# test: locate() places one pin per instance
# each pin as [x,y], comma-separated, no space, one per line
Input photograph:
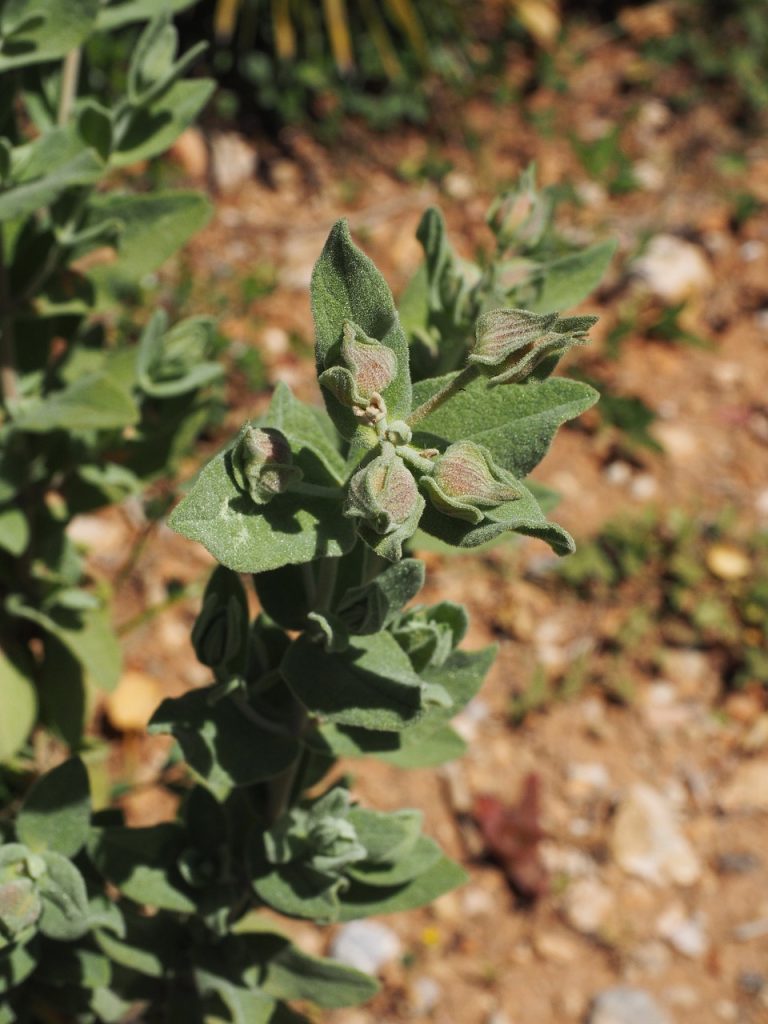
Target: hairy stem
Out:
[458,384]
[316,490]
[69,75]
[8,378]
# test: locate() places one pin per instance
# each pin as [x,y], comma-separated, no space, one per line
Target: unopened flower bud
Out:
[466,480]
[366,368]
[384,496]
[515,341]
[521,214]
[263,463]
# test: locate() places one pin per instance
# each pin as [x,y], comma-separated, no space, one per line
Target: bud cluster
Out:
[384,496]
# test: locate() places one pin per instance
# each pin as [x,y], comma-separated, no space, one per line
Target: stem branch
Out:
[458,384]
[8,378]
[69,75]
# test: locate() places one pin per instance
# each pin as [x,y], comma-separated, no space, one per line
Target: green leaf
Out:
[246,1005]
[371,684]
[347,286]
[291,974]
[154,127]
[361,900]
[14,531]
[56,812]
[16,965]
[291,529]
[116,13]
[523,515]
[95,402]
[297,890]
[87,635]
[65,900]
[225,743]
[150,945]
[36,31]
[423,856]
[404,749]
[307,428]
[515,422]
[72,966]
[19,703]
[153,227]
[565,282]
[142,864]
[386,836]
[365,609]
[23,197]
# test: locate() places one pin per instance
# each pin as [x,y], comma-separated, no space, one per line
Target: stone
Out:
[587,779]
[737,862]
[191,153]
[647,840]
[747,789]
[366,945]
[425,994]
[728,562]
[626,1005]
[133,702]
[233,161]
[555,947]
[651,958]
[587,905]
[674,269]
[685,933]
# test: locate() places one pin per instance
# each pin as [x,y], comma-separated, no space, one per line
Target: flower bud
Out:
[516,341]
[367,367]
[384,496]
[465,480]
[521,214]
[262,463]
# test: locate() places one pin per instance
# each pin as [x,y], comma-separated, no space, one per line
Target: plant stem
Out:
[458,384]
[326,581]
[8,379]
[316,490]
[69,75]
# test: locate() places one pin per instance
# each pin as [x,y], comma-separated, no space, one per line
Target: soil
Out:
[482,955]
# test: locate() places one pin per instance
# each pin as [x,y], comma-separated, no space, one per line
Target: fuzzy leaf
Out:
[424,855]
[346,286]
[95,402]
[365,609]
[565,282]
[362,900]
[221,743]
[153,128]
[65,901]
[522,516]
[19,702]
[370,685]
[515,422]
[37,31]
[56,812]
[290,974]
[141,862]
[16,964]
[297,890]
[247,538]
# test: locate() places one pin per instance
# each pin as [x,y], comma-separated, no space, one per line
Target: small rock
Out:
[136,698]
[737,862]
[618,473]
[587,905]
[191,153]
[233,160]
[752,250]
[674,269]
[555,947]
[476,901]
[684,996]
[747,789]
[678,441]
[365,945]
[684,934]
[651,958]
[458,185]
[644,487]
[647,840]
[761,502]
[648,175]
[743,707]
[728,562]
[752,983]
[275,342]
[751,930]
[588,779]
[426,994]
[726,1010]
[691,671]
[625,1005]
[757,737]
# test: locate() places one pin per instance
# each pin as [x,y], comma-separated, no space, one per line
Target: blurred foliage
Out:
[727,47]
[301,61]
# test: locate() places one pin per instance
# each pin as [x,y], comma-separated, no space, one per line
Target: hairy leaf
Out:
[371,684]
[65,901]
[565,282]
[362,900]
[37,31]
[141,862]
[56,812]
[95,402]
[19,703]
[515,422]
